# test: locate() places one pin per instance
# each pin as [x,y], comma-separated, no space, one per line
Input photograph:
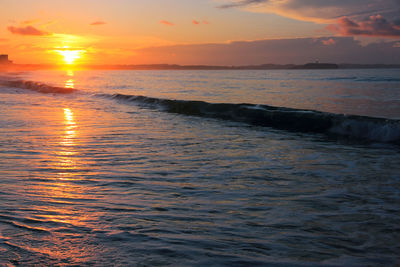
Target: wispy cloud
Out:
[167,23]
[98,23]
[346,17]
[319,11]
[198,22]
[28,30]
[40,22]
[242,3]
[371,26]
[31,21]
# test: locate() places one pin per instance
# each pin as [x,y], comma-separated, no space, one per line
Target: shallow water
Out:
[89,180]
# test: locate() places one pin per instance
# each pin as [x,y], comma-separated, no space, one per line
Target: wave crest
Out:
[340,125]
[352,126]
[37,87]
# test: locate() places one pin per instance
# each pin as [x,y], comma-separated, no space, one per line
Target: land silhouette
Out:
[9,66]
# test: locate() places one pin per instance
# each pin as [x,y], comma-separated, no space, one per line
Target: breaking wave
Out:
[309,121]
[363,79]
[353,126]
[36,86]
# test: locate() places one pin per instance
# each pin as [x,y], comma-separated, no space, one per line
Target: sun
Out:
[70,55]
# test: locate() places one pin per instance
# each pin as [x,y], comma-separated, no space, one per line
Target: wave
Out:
[36,86]
[340,78]
[363,79]
[309,121]
[378,79]
[352,126]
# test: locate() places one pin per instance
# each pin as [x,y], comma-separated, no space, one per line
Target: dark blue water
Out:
[100,177]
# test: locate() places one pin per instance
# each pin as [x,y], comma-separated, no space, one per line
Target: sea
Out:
[200,168]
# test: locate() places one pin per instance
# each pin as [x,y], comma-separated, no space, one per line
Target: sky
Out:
[213,32]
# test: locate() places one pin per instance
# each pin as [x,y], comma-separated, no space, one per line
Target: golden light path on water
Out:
[67,142]
[70,83]
[62,192]
[68,139]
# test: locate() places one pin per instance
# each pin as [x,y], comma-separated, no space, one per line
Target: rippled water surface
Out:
[89,180]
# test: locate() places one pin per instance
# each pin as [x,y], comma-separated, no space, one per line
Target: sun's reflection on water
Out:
[69,116]
[67,143]
[62,181]
[70,82]
[64,194]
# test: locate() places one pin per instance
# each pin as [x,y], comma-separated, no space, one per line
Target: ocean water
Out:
[194,168]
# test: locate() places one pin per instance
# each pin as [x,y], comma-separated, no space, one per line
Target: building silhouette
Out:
[4,59]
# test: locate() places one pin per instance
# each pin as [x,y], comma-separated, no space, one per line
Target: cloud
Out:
[279,51]
[29,22]
[371,26]
[167,23]
[197,22]
[242,3]
[319,11]
[28,30]
[97,23]
[329,41]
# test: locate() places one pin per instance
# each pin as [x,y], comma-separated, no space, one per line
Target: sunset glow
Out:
[215,32]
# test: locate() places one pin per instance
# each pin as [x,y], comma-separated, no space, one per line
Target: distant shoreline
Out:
[308,66]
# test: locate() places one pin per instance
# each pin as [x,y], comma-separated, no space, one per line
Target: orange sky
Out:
[115,32]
